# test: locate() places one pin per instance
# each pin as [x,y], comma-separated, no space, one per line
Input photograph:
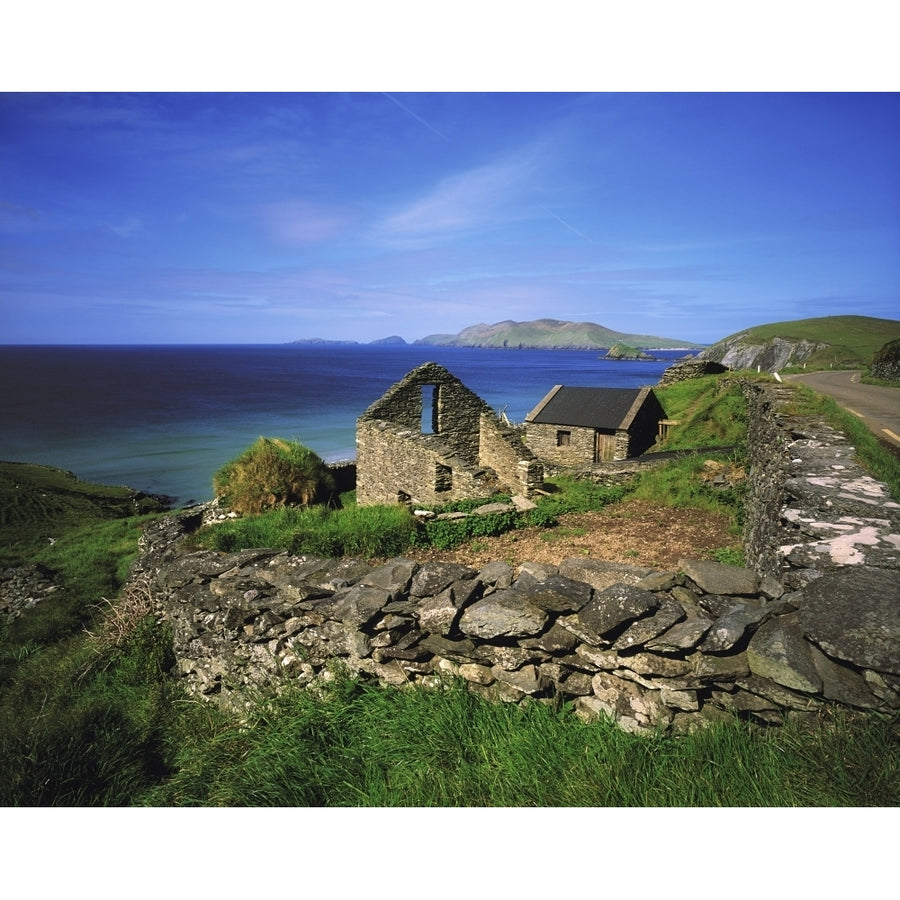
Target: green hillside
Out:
[851,340]
[38,503]
[549,334]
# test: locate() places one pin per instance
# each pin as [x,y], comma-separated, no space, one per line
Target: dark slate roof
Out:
[585,407]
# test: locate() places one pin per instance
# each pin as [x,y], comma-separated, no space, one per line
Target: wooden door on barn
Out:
[604,447]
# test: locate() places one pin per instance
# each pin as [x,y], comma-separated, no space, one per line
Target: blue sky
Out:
[258,217]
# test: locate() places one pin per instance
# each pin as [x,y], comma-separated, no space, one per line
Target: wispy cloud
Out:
[299,223]
[418,118]
[565,224]
[488,195]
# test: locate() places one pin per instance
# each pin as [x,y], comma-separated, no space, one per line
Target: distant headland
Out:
[540,334]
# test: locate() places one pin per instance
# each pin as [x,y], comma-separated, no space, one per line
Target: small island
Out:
[625,351]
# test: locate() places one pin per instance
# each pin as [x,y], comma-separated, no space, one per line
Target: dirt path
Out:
[634,532]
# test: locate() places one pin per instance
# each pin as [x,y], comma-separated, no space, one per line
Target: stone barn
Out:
[579,426]
[430,440]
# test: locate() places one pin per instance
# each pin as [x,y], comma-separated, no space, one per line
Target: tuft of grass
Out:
[731,556]
[273,473]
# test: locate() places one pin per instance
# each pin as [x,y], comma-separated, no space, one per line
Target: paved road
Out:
[878,407]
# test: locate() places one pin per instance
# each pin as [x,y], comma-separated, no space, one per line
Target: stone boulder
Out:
[853,614]
[615,607]
[504,614]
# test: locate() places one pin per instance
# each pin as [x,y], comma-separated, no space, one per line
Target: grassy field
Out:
[38,504]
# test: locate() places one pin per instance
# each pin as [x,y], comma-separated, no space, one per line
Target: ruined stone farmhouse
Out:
[429,440]
[578,426]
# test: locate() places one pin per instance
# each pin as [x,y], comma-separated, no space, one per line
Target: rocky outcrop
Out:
[886,362]
[625,352]
[773,355]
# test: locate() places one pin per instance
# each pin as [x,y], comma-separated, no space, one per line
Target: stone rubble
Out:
[23,587]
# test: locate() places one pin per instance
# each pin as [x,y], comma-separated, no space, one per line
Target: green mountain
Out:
[549,334]
[831,341]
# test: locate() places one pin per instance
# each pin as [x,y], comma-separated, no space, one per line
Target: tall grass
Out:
[380,531]
[360,745]
[86,726]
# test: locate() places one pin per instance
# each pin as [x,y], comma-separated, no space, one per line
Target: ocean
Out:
[163,419]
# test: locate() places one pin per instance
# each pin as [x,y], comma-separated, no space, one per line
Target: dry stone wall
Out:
[812,621]
[690,368]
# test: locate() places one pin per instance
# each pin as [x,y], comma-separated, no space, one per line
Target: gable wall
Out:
[644,427]
[518,472]
[396,460]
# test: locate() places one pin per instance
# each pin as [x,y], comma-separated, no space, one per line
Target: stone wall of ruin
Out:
[469,454]
[579,452]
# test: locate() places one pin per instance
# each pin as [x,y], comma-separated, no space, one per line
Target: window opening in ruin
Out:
[563,438]
[443,478]
[429,409]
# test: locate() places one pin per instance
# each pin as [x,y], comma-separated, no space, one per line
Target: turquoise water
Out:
[163,419]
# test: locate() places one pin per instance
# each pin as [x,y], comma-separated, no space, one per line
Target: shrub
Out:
[886,363]
[444,534]
[273,473]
